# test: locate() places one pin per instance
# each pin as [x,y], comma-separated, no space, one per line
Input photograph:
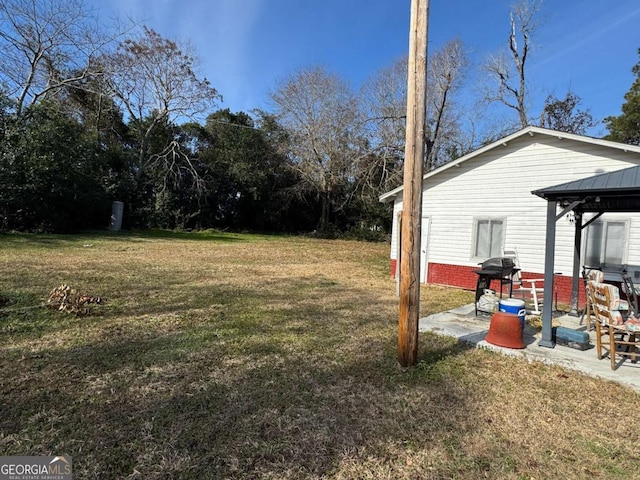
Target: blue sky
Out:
[247,46]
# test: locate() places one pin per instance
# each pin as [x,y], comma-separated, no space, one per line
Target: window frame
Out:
[603,223]
[474,239]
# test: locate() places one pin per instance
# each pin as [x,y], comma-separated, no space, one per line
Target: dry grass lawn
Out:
[247,357]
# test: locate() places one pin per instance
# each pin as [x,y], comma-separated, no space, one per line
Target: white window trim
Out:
[627,229]
[474,235]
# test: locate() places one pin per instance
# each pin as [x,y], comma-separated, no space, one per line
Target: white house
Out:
[480,204]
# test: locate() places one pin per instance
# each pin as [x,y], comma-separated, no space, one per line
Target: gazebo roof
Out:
[617,191]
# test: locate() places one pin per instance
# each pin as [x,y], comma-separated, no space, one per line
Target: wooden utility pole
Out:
[412,195]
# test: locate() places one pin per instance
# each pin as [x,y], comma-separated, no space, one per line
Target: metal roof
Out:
[617,191]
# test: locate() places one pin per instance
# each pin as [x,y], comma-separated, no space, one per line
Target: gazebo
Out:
[617,191]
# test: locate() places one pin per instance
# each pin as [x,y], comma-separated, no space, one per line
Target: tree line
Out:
[91,113]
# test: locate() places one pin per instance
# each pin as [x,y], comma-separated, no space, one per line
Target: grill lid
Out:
[498,263]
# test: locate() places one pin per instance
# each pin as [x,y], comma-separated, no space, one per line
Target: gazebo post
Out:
[549,257]
[577,242]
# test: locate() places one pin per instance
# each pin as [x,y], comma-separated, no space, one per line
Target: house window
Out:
[488,238]
[606,243]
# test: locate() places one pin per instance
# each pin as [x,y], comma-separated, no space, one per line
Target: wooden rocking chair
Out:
[623,335]
[592,277]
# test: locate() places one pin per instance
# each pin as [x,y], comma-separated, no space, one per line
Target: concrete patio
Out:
[463,324]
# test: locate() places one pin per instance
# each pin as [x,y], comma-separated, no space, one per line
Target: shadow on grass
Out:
[18,240]
[204,235]
[298,393]
[266,420]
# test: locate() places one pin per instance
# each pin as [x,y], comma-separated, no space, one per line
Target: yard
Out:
[252,357]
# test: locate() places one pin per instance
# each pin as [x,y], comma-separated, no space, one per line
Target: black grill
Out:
[497,266]
[501,269]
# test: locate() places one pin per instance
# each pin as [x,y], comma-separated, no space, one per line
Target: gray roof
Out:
[617,191]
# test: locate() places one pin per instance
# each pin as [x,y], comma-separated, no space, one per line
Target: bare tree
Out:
[154,80]
[508,68]
[385,100]
[47,45]
[445,74]
[321,115]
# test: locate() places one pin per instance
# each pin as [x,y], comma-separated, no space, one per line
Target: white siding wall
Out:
[397,208]
[634,245]
[498,183]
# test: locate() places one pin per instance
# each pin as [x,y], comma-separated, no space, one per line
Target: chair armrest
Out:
[531,285]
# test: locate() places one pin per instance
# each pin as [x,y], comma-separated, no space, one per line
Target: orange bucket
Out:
[505,330]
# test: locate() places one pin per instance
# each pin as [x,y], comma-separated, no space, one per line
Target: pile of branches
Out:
[67,299]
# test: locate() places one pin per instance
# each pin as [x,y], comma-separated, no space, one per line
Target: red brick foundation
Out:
[462,276]
[392,269]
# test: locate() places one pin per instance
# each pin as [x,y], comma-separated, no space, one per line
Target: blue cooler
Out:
[515,306]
